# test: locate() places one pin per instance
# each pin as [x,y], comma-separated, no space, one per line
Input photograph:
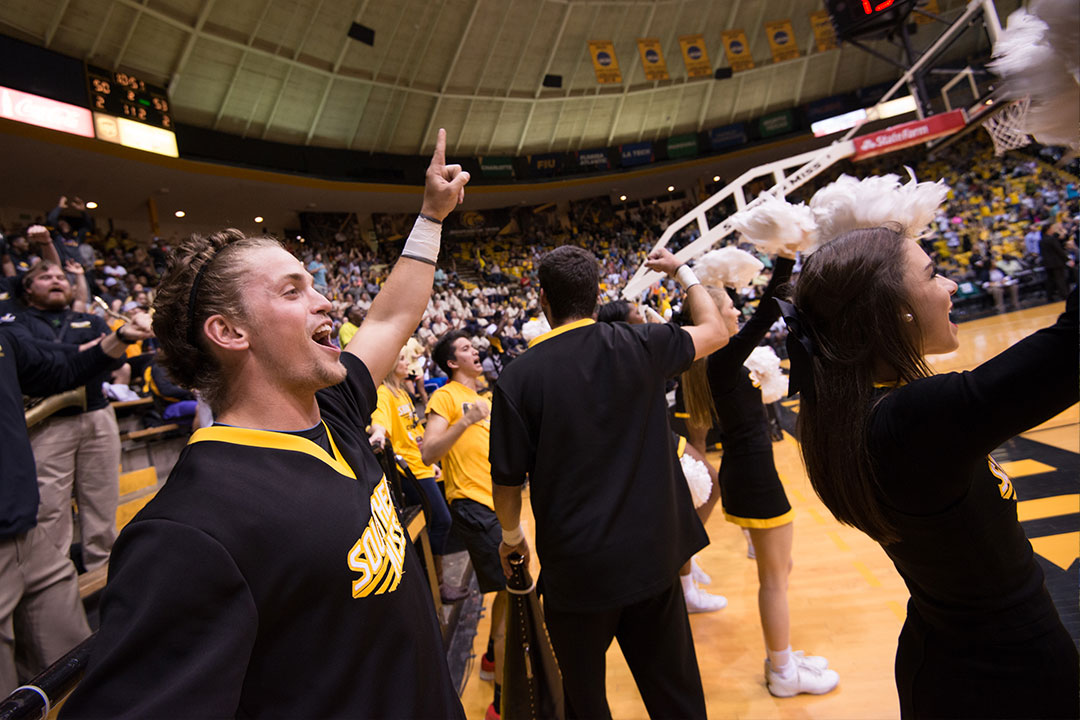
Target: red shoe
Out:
[492,713]
[487,671]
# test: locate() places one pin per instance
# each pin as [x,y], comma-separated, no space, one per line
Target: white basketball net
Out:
[1006,127]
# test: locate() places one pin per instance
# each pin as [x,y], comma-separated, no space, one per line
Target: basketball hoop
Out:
[1006,127]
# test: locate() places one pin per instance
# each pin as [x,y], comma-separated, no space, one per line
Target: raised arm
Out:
[44,372]
[753,332]
[708,331]
[397,309]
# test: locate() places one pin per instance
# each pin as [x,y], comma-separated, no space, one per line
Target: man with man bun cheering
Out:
[271,575]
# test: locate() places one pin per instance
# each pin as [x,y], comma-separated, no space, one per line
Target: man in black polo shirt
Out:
[75,450]
[39,592]
[582,414]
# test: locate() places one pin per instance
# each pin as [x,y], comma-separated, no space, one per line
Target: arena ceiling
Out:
[286,70]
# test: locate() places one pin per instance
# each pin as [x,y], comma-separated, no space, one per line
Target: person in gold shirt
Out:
[350,326]
[458,432]
[395,419]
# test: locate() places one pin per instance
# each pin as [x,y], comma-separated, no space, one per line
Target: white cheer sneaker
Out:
[699,601]
[803,675]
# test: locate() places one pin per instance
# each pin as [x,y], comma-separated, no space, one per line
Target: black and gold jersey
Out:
[963,554]
[741,421]
[582,413]
[270,578]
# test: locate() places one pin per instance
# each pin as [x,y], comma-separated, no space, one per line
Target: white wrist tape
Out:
[424,240]
[513,537]
[686,277]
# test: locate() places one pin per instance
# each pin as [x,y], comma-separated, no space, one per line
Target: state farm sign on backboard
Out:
[907,134]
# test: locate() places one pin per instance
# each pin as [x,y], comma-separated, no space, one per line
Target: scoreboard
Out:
[124,95]
[865,19]
[129,111]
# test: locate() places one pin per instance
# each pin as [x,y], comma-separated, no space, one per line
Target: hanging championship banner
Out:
[824,32]
[652,59]
[930,6]
[737,49]
[781,40]
[604,62]
[695,56]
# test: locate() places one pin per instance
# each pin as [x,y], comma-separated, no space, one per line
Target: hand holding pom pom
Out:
[777,227]
[728,266]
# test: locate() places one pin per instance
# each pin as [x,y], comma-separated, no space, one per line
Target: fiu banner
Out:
[545,164]
[737,49]
[652,59]
[604,62]
[781,40]
[824,32]
[497,167]
[695,56]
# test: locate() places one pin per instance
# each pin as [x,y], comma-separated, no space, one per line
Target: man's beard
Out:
[54,303]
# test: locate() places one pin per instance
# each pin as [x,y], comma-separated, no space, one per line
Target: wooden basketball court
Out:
[847,602]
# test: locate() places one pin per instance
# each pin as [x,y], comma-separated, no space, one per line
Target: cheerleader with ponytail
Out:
[722,391]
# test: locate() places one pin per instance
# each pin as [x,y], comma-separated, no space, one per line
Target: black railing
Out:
[35,699]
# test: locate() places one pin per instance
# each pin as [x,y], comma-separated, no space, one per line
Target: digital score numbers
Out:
[855,19]
[126,96]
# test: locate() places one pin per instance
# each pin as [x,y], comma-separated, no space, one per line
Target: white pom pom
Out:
[777,227]
[764,367]
[535,328]
[728,266]
[849,204]
[697,479]
[1038,56]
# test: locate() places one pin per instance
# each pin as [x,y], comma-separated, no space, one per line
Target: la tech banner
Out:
[604,62]
[652,59]
[695,56]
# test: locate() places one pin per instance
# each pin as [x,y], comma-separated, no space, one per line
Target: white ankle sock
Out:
[687,581]
[780,660]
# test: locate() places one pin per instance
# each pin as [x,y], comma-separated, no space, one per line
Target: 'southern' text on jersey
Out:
[379,554]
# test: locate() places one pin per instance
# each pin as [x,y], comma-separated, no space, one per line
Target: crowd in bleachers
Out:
[1007,235]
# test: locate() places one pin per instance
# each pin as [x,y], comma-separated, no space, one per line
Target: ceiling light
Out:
[622,198]
[258,218]
[671,188]
[716,178]
[179,213]
[91,205]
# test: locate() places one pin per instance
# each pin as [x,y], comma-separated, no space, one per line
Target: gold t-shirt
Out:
[466,469]
[396,413]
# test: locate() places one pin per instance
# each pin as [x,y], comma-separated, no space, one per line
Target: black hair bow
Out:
[800,347]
